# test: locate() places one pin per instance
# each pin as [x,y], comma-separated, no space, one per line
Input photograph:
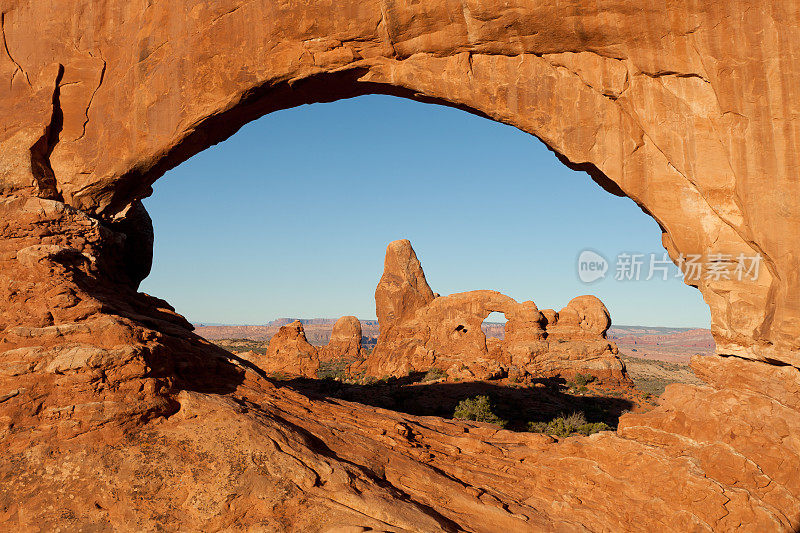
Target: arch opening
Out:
[494,325]
[296,269]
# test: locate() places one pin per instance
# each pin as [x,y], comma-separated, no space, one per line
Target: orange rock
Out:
[688,108]
[446,332]
[290,353]
[345,342]
[105,394]
[402,289]
[669,113]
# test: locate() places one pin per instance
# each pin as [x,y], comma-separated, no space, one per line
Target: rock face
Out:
[289,353]
[577,343]
[688,108]
[650,95]
[420,332]
[403,289]
[345,343]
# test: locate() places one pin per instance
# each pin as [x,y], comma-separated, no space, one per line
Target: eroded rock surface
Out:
[114,416]
[686,108]
[345,341]
[106,396]
[419,332]
[289,353]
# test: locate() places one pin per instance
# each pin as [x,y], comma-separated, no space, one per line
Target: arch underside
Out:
[674,107]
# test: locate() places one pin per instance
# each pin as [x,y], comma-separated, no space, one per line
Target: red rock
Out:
[446,333]
[402,289]
[289,353]
[688,108]
[345,343]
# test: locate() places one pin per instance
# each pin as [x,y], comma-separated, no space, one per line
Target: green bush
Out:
[564,426]
[581,380]
[433,374]
[478,409]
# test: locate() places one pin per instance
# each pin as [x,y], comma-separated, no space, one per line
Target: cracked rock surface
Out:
[115,416]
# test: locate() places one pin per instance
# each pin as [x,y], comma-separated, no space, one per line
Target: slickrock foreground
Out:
[114,416]
[420,331]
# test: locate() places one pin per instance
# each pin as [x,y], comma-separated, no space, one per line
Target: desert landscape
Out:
[531,371]
[653,357]
[118,414]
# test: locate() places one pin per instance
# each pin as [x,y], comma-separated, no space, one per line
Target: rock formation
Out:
[650,94]
[576,343]
[289,353]
[403,289]
[114,416]
[419,332]
[345,343]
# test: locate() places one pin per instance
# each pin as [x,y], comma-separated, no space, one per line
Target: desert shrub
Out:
[581,380]
[478,409]
[566,425]
[357,378]
[434,373]
[576,419]
[591,428]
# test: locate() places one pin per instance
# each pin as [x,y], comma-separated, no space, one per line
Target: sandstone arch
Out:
[102,107]
[421,330]
[687,108]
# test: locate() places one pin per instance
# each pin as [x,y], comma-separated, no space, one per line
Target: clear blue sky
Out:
[291,216]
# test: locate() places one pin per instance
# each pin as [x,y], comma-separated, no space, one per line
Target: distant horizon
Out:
[219,324]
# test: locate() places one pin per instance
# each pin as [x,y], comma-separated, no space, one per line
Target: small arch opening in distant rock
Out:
[494,326]
[461,328]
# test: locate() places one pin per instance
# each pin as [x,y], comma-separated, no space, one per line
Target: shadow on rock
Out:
[544,400]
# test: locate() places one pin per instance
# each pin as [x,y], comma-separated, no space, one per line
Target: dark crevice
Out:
[765,360]
[674,73]
[91,99]
[8,52]
[43,148]
[595,173]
